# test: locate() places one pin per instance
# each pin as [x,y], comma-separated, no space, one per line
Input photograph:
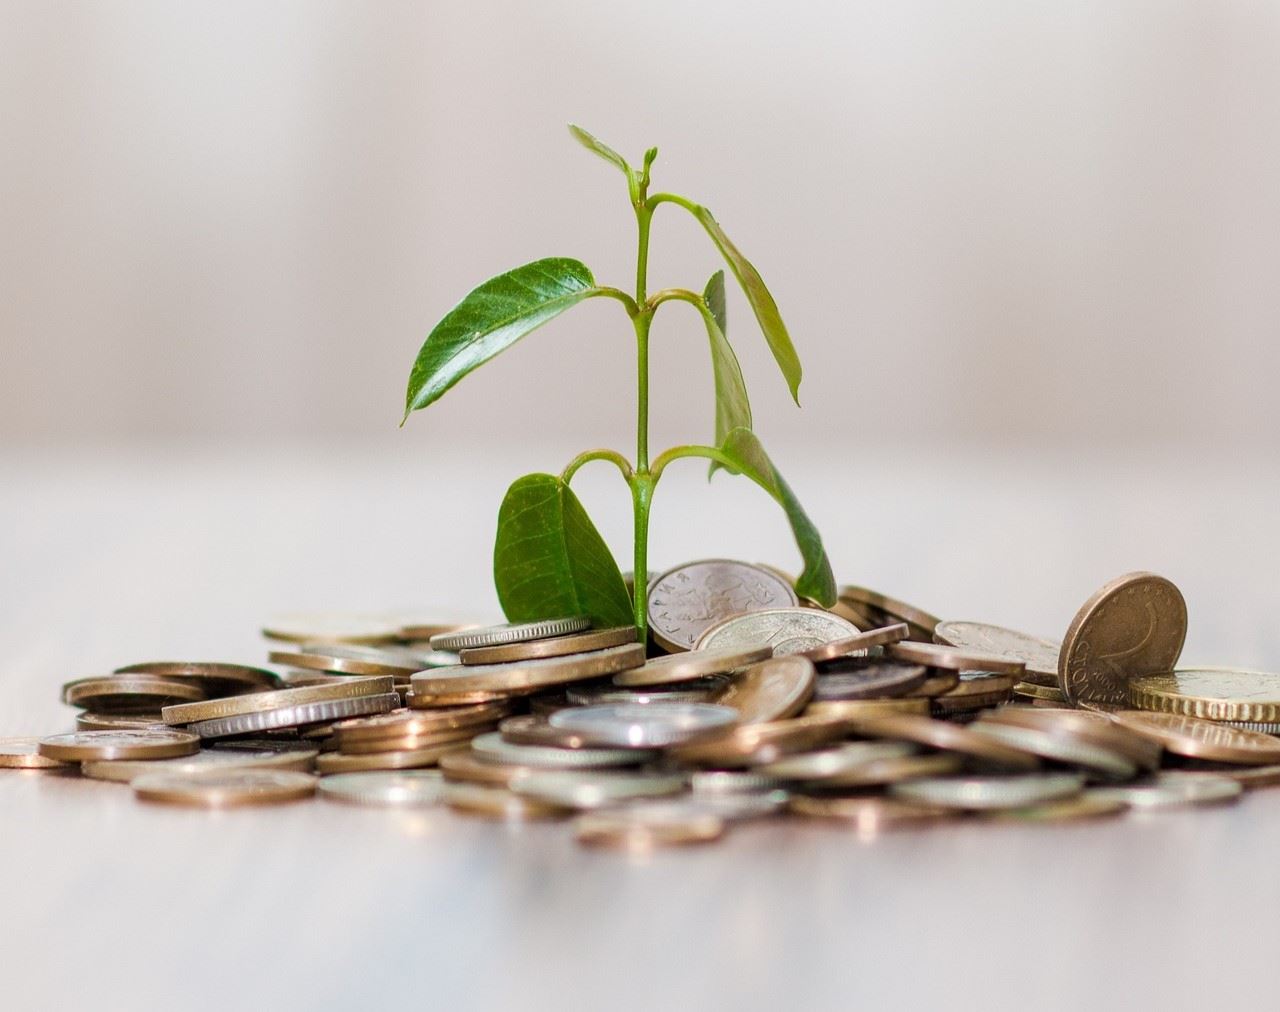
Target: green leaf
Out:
[762,304]
[733,410]
[748,456]
[603,150]
[549,560]
[491,319]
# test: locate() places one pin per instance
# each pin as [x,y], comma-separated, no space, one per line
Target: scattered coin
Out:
[118,721]
[1210,693]
[858,709]
[1133,626]
[1050,693]
[856,644]
[1089,805]
[785,630]
[24,754]
[84,746]
[704,690]
[494,747]
[400,723]
[899,611]
[321,627]
[831,763]
[1039,656]
[1201,739]
[405,759]
[1084,725]
[950,737]
[686,601]
[690,665]
[497,803]
[643,828]
[938,655]
[127,770]
[553,646]
[405,789]
[595,788]
[295,716]
[989,792]
[339,659]
[526,676]
[869,679]
[645,725]
[770,690]
[939,682]
[1249,777]
[514,632]
[257,702]
[1174,789]
[128,692]
[731,782]
[229,789]
[870,814]
[216,677]
[1059,747]
[466,766]
[754,744]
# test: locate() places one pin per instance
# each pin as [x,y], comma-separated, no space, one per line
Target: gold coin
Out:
[24,754]
[452,700]
[980,683]
[555,646]
[497,803]
[639,827]
[1211,694]
[341,762]
[947,704]
[85,746]
[229,789]
[690,665]
[1201,739]
[869,814]
[949,737]
[260,702]
[526,676]
[754,744]
[899,610]
[1133,626]
[412,742]
[770,690]
[321,627]
[858,644]
[938,655]
[858,709]
[128,692]
[1034,691]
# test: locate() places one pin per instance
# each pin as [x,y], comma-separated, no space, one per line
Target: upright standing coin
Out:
[1211,693]
[771,690]
[1135,625]
[690,665]
[398,789]
[230,789]
[786,630]
[686,601]
[85,746]
[515,632]
[24,754]
[1039,655]
[553,646]
[644,725]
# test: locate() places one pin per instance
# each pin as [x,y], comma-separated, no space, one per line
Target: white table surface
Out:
[113,556]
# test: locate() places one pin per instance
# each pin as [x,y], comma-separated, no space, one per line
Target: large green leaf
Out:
[603,150]
[733,410]
[762,304]
[748,457]
[549,560]
[491,319]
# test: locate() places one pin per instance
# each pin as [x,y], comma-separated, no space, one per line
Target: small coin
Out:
[1088,805]
[1211,693]
[1174,789]
[555,646]
[643,828]
[645,725]
[988,792]
[24,754]
[522,677]
[514,632]
[871,814]
[225,789]
[831,763]
[1250,777]
[1201,739]
[295,716]
[118,721]
[406,759]
[857,644]
[497,803]
[785,630]
[84,746]
[1039,656]
[859,709]
[217,677]
[949,737]
[127,770]
[404,789]
[595,788]
[256,702]
[868,679]
[937,655]
[340,659]
[900,611]
[754,744]
[1059,747]
[770,690]
[1132,626]
[333,627]
[704,690]
[690,665]
[686,601]
[494,747]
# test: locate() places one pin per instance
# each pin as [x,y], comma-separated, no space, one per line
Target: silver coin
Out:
[645,725]
[126,770]
[686,601]
[398,788]
[690,665]
[514,632]
[731,782]
[830,763]
[786,630]
[1039,655]
[989,793]
[704,690]
[295,716]
[584,789]
[1174,788]
[1059,748]
[494,748]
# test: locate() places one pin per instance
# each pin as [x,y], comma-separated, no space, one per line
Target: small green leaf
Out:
[491,319]
[733,409]
[816,582]
[603,150]
[549,560]
[762,304]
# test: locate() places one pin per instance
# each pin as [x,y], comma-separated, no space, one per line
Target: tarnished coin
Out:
[497,803]
[865,678]
[686,601]
[643,828]
[941,734]
[127,770]
[522,677]
[770,690]
[333,627]
[85,746]
[225,789]
[554,646]
[856,644]
[870,814]
[494,747]
[938,655]
[595,788]
[118,721]
[128,692]
[645,725]
[405,759]
[1063,748]
[690,665]
[1040,656]
[1173,789]
[405,789]
[341,659]
[898,610]
[786,630]
[986,793]
[702,690]
[295,716]
[513,632]
[1211,693]
[1133,626]
[218,678]
[860,709]
[24,754]
[1201,739]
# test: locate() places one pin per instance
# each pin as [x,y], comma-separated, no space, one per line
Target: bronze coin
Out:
[1202,739]
[868,679]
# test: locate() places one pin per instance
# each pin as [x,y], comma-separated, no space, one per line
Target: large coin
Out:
[84,746]
[522,677]
[1132,626]
[686,601]
[786,630]
[644,725]
[128,692]
[127,770]
[256,702]
[1211,693]
[402,789]
[1039,655]
[986,793]
[295,716]
[770,690]
[515,632]
[1201,739]
[229,789]
[868,679]
[554,646]
[24,754]
[691,664]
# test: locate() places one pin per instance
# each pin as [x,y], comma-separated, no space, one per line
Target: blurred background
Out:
[1027,252]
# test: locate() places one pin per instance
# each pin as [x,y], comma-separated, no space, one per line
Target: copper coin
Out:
[1040,656]
[342,762]
[465,766]
[497,803]
[229,789]
[85,746]
[690,665]
[860,643]
[526,676]
[406,723]
[341,659]
[531,729]
[686,601]
[128,692]
[217,677]
[641,828]
[413,742]
[259,702]
[938,683]
[1085,725]
[937,655]
[770,690]
[554,646]
[868,679]
[1201,739]
[118,721]
[858,709]
[949,737]
[24,754]
[754,744]
[870,814]
[899,610]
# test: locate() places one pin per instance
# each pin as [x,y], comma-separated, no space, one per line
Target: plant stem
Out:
[640,481]
[613,456]
[676,452]
[641,499]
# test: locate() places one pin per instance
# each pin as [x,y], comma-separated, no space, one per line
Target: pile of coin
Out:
[747,703]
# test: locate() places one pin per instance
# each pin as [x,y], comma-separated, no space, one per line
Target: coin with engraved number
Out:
[864,678]
[645,725]
[512,632]
[126,770]
[1201,739]
[402,789]
[595,788]
[84,746]
[770,690]
[1040,656]
[522,677]
[1132,626]
[686,601]
[856,644]
[554,646]
[988,792]
[691,664]
[225,789]
[786,630]
[1211,693]
[24,754]
[295,716]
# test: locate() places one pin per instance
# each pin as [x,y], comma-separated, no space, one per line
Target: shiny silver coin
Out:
[295,716]
[785,630]
[645,725]
[731,782]
[588,789]
[515,632]
[392,788]
[686,601]
[492,747]
[990,792]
